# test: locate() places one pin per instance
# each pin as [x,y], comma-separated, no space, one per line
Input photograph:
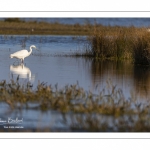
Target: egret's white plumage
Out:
[22,53]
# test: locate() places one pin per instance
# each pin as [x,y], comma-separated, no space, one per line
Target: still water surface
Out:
[50,65]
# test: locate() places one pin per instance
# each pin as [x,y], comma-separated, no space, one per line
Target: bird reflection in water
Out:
[22,71]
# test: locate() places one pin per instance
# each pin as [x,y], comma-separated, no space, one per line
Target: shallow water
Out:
[50,65]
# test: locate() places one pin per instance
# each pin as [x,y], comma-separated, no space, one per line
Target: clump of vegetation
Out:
[82,111]
[141,48]
[121,43]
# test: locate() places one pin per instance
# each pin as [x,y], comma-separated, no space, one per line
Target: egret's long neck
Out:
[30,51]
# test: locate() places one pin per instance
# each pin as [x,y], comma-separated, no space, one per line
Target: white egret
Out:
[22,54]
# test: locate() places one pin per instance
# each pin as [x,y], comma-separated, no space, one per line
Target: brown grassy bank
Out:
[15,26]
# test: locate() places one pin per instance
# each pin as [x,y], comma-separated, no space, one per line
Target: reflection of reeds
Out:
[101,70]
[141,80]
[87,107]
[100,123]
[122,72]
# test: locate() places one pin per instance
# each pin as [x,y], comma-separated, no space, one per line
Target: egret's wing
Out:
[21,53]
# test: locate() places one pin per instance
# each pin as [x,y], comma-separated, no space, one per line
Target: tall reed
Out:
[141,47]
[121,43]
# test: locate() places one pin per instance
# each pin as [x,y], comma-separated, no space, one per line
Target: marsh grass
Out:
[107,111]
[121,43]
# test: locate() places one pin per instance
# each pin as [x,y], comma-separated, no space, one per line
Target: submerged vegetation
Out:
[81,110]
